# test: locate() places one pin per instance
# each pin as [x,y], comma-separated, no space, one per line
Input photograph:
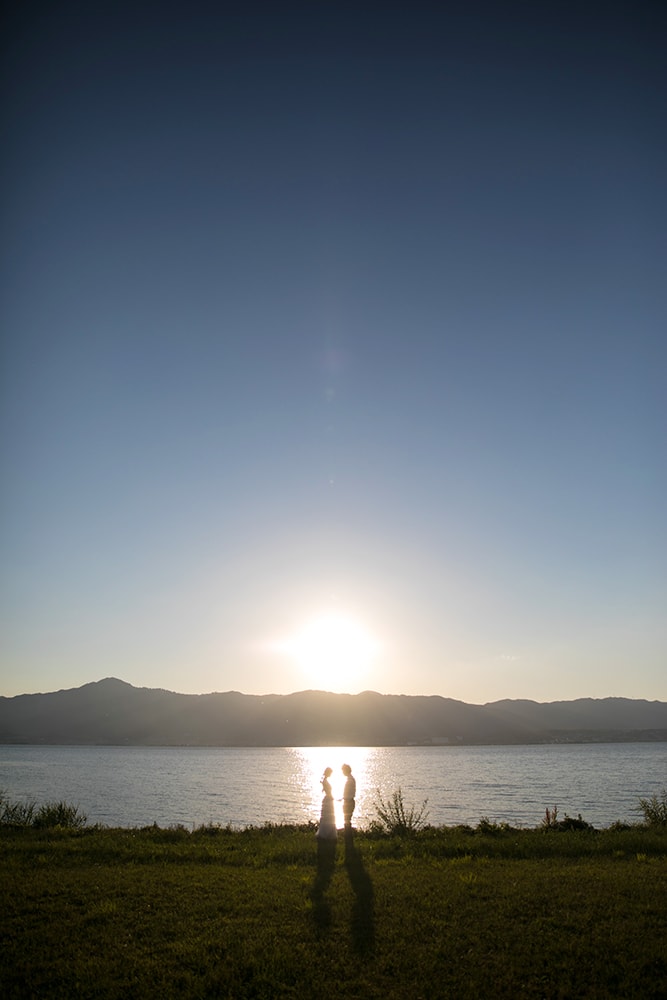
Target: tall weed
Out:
[394,817]
[59,814]
[16,813]
[655,809]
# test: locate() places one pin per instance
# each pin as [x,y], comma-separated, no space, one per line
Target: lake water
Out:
[193,786]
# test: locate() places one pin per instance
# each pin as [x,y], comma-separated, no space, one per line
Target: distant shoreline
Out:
[283,746]
[113,713]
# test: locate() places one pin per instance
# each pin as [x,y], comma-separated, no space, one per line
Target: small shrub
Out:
[492,829]
[60,814]
[574,823]
[395,818]
[655,810]
[213,830]
[167,834]
[551,821]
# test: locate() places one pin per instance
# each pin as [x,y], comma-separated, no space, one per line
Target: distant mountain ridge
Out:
[112,712]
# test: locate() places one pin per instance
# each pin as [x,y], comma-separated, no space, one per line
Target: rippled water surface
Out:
[137,786]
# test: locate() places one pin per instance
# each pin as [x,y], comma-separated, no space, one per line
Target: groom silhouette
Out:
[349,793]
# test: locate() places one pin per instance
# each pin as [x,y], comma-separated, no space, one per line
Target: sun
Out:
[332,650]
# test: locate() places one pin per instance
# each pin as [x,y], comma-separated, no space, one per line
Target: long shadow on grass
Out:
[326,862]
[363,908]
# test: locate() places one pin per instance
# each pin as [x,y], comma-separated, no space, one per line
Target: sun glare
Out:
[333,651]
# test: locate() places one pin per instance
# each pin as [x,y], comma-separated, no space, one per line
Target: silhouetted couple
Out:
[362,917]
[327,828]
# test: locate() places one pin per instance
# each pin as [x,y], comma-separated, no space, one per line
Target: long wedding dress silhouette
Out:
[327,828]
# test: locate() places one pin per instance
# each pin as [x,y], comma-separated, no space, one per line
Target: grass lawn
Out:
[256,913]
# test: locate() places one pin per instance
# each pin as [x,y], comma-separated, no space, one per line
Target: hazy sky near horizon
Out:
[335,313]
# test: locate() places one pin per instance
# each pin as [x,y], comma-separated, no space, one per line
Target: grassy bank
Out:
[447,912]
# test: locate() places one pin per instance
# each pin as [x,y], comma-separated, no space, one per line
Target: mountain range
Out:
[112,712]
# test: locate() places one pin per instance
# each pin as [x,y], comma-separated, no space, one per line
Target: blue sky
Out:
[334,313]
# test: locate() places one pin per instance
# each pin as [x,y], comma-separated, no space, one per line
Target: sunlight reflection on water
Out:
[309,765]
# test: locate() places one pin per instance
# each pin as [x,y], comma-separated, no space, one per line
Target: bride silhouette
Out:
[327,828]
[327,837]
